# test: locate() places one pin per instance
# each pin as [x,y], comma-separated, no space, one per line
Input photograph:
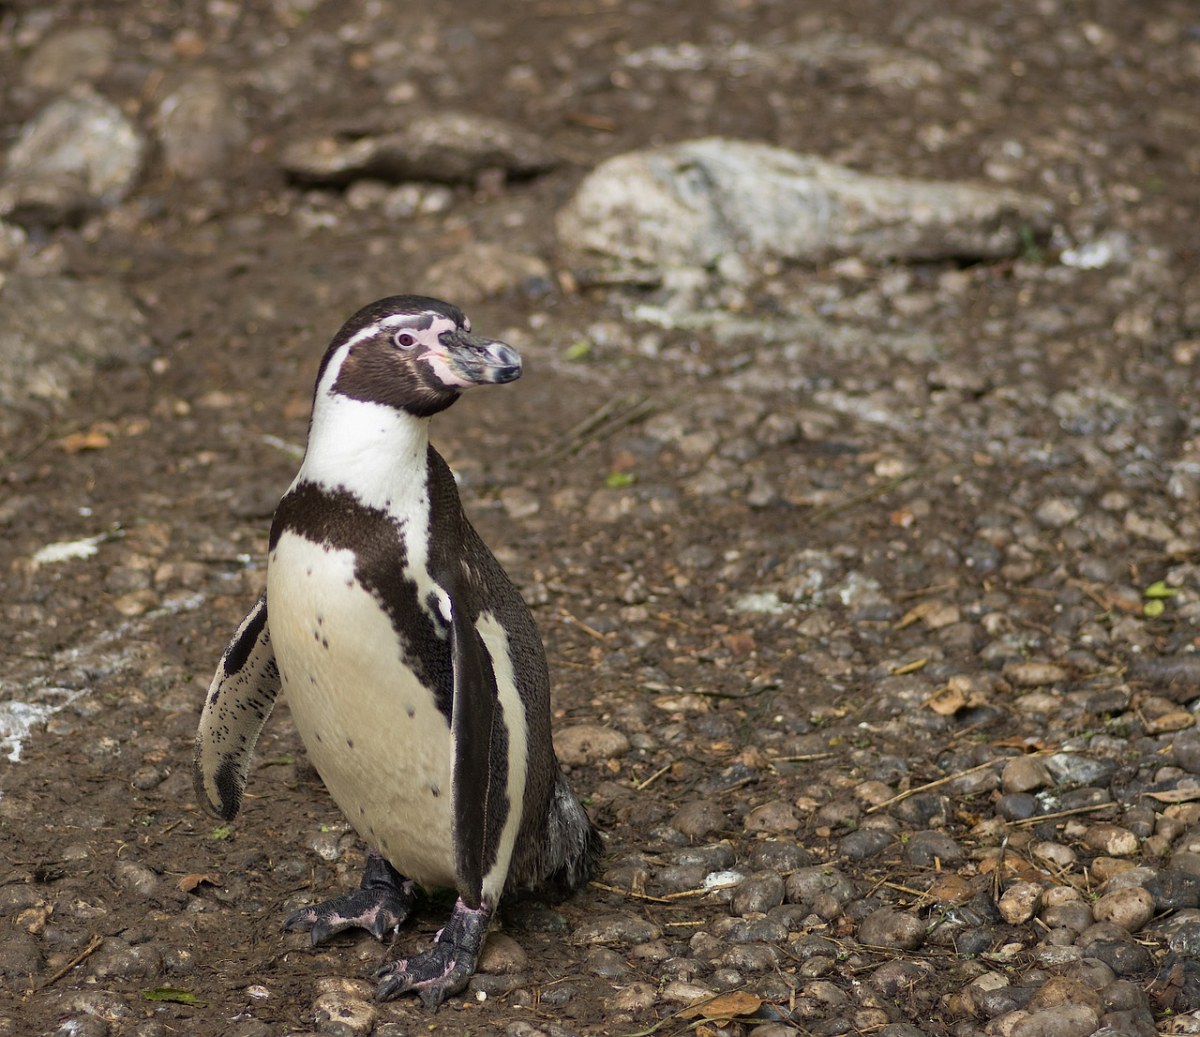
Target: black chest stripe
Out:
[338,520]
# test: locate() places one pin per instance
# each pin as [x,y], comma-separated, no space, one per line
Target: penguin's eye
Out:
[404,339]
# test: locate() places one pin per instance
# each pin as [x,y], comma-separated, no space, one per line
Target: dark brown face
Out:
[416,355]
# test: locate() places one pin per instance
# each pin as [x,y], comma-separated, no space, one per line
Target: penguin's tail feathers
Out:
[573,845]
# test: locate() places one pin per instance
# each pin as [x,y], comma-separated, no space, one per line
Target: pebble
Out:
[774,818]
[616,928]
[699,819]
[757,894]
[502,955]
[582,744]
[637,997]
[1130,908]
[1061,1021]
[1112,840]
[1020,902]
[886,927]
[343,1015]
[1025,774]
[1034,674]
[932,849]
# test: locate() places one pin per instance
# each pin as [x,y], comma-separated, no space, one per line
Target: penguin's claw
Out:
[380,905]
[444,969]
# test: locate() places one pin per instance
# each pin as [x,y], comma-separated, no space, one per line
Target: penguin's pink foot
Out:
[447,966]
[380,904]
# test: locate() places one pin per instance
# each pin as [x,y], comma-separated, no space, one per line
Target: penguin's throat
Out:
[376,452]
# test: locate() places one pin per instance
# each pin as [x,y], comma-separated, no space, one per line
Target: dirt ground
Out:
[635,541]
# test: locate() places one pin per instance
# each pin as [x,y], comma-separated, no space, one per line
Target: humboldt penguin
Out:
[411,664]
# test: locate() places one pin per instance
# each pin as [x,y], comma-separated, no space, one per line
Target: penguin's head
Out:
[414,354]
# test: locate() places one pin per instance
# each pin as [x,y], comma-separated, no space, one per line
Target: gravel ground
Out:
[870,587]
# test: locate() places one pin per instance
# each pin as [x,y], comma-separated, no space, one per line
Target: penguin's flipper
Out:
[240,699]
[473,720]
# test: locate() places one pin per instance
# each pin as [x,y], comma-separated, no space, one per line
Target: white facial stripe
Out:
[430,334]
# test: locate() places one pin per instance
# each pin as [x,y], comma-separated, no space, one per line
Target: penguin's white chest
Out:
[372,729]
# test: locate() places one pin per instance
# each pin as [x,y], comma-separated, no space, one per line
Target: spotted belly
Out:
[371,728]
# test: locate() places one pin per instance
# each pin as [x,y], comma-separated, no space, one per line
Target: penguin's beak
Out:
[468,360]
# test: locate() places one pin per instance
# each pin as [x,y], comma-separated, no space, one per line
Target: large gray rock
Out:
[55,333]
[737,207]
[77,154]
[447,147]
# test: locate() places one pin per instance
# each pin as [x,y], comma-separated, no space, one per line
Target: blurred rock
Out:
[55,335]
[199,125]
[78,154]
[446,147]
[481,270]
[738,207]
[70,56]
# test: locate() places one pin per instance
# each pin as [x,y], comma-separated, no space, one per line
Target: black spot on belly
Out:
[411,711]
[435,790]
[324,642]
[317,735]
[349,743]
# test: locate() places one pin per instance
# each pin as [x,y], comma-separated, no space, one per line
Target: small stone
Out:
[616,928]
[603,961]
[135,877]
[775,818]
[1060,990]
[1020,902]
[343,1015]
[1056,512]
[636,997]
[931,849]
[758,893]
[865,843]
[685,992]
[1025,774]
[807,884]
[1060,1021]
[1130,908]
[1112,840]
[589,743]
[1058,854]
[502,955]
[699,819]
[1034,674]
[886,927]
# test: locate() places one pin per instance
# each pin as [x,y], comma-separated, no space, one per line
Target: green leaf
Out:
[221,832]
[1154,607]
[578,349]
[174,994]
[1159,589]
[619,480]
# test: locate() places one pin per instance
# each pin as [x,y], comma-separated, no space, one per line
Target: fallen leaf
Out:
[77,442]
[724,1007]
[190,882]
[947,701]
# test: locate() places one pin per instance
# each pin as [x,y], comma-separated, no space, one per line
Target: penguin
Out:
[412,667]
